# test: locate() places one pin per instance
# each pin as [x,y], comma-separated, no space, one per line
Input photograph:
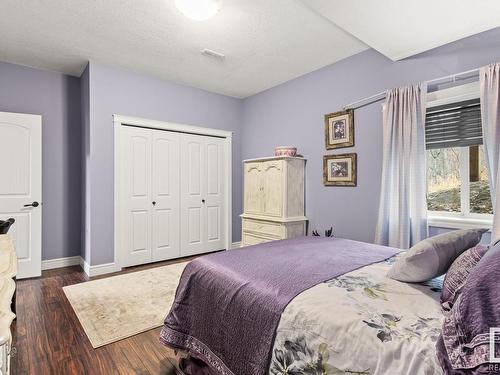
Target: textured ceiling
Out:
[399,29]
[266,42]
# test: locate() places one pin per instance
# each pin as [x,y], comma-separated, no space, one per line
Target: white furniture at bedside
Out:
[273,206]
[8,270]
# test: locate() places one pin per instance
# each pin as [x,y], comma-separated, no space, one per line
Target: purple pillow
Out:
[465,341]
[457,274]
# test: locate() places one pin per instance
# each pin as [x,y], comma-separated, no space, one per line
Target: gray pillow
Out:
[433,256]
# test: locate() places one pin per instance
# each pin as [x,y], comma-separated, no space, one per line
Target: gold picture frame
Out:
[340,170]
[339,129]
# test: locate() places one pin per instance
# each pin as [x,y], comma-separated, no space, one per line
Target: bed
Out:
[357,322]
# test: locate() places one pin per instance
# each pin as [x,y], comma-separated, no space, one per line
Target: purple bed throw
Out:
[228,305]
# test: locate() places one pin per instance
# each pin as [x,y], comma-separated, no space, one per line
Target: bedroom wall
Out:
[292,114]
[118,91]
[56,97]
[78,137]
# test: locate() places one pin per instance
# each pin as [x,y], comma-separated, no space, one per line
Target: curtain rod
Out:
[381,95]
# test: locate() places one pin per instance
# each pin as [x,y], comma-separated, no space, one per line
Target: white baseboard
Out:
[85,266]
[98,269]
[60,262]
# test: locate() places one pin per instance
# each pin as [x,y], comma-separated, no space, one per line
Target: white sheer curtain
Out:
[402,219]
[489,77]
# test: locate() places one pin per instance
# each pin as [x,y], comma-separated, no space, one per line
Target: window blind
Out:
[454,125]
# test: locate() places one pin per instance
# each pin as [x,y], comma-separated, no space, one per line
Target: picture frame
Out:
[340,170]
[339,129]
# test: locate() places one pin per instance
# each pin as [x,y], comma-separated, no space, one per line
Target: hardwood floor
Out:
[50,340]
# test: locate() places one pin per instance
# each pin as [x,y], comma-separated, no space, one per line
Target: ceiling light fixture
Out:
[198,10]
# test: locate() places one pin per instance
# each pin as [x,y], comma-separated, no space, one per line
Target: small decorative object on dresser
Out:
[339,129]
[285,151]
[339,170]
[273,199]
[328,233]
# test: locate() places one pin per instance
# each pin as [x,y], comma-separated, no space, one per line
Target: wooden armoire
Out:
[273,205]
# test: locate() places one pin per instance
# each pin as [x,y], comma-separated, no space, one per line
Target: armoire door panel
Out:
[272,188]
[253,188]
[165,195]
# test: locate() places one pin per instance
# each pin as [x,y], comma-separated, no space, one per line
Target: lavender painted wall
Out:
[292,114]
[118,91]
[78,134]
[57,98]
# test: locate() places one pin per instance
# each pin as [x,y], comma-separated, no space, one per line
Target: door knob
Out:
[34,204]
[203,201]
[154,203]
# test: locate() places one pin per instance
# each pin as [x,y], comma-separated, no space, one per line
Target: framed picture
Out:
[339,129]
[339,170]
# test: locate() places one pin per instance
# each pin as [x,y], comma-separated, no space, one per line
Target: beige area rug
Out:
[117,307]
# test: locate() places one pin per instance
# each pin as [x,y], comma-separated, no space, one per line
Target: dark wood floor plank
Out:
[50,340]
[157,355]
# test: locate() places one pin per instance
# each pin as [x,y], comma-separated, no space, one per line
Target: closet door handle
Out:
[34,204]
[203,201]
[154,203]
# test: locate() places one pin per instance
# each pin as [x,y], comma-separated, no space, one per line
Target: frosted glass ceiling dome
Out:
[198,10]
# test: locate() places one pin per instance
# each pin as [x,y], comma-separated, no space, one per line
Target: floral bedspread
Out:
[361,323]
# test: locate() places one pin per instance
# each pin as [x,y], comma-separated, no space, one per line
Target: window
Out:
[457,180]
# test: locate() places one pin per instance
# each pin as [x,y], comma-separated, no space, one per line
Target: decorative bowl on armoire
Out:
[285,151]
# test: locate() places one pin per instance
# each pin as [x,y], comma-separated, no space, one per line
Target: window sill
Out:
[459,222]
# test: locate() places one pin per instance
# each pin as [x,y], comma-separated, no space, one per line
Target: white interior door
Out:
[202,194]
[137,203]
[21,187]
[165,195]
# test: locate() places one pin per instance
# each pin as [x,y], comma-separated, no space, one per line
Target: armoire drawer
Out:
[263,227]
[249,239]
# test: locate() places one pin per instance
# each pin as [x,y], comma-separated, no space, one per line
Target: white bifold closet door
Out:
[202,194]
[172,195]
